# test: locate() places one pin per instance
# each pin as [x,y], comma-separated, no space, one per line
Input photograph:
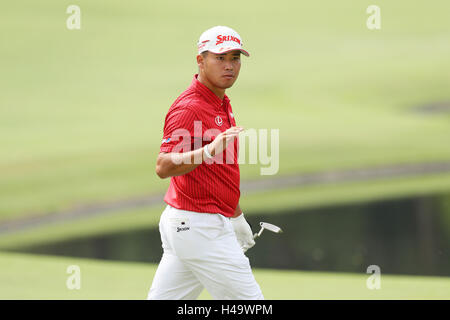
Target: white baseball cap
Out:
[220,39]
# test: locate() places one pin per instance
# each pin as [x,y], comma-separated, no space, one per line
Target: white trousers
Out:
[201,251]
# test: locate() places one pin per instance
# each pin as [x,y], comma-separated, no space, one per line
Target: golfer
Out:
[203,230]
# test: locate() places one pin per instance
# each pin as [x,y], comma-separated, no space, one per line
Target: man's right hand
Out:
[220,143]
[177,164]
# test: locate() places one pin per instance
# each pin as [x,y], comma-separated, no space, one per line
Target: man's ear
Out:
[200,60]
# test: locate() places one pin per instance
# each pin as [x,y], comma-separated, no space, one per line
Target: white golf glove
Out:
[243,232]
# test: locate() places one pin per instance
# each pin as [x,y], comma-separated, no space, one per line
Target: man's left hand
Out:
[243,232]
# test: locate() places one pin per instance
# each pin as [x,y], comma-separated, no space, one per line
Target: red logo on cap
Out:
[201,45]
[222,39]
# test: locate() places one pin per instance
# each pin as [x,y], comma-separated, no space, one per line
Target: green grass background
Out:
[120,280]
[82,111]
[272,202]
[81,117]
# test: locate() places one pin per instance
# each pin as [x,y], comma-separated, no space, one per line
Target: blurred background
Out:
[364,155]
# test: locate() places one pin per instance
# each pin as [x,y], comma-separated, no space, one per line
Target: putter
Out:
[268,226]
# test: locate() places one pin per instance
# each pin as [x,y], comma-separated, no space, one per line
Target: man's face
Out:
[221,70]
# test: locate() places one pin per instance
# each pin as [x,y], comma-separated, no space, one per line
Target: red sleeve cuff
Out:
[166,148]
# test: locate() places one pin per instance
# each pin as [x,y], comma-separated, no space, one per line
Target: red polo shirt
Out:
[195,118]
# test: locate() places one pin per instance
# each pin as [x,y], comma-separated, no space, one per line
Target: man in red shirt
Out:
[203,229]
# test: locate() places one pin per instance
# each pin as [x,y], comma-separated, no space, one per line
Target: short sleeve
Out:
[179,130]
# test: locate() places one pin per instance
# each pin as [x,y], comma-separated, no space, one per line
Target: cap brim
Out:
[245,53]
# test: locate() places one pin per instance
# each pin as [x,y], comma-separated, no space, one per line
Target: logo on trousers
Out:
[182,228]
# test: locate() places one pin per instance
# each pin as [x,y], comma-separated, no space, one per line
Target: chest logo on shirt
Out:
[219,121]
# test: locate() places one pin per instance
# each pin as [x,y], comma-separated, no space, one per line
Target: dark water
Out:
[407,236]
